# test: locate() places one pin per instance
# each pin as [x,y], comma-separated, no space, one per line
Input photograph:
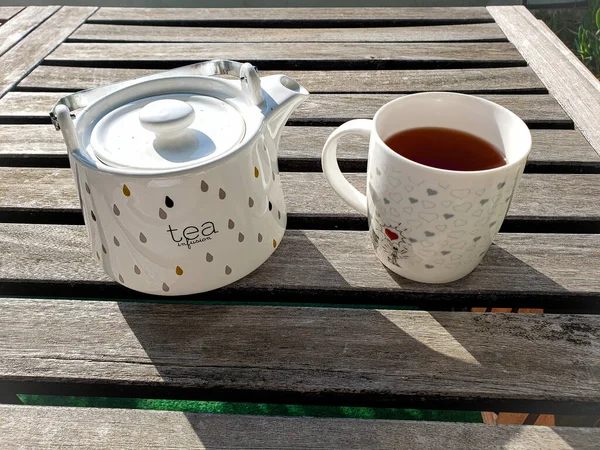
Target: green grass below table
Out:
[254,408]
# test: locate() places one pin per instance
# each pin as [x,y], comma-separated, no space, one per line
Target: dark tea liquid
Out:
[445,148]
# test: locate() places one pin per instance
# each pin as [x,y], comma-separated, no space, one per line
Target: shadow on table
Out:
[299,355]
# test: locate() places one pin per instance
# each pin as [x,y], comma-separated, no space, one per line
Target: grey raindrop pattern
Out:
[222,194]
[240,237]
[441,222]
[231,224]
[143,238]
[250,202]
[137,270]
[227,270]
[203,186]
[116,241]
[165,287]
[209,257]
[162,213]
[116,210]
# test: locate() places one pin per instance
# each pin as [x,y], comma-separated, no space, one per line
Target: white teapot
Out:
[177,173]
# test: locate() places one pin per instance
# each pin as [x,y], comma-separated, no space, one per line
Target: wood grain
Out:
[327,16]
[6,12]
[525,270]
[301,148]
[20,25]
[337,108]
[573,85]
[293,54]
[360,356]
[318,109]
[95,428]
[503,79]
[487,32]
[548,196]
[27,53]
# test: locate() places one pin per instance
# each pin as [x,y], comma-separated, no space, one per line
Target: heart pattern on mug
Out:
[434,220]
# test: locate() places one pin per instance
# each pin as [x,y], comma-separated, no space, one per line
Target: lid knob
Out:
[166,116]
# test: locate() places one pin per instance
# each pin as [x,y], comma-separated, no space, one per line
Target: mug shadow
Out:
[499,271]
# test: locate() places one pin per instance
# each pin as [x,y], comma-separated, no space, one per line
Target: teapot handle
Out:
[245,71]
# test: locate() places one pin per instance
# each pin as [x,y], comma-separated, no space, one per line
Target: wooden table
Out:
[321,322]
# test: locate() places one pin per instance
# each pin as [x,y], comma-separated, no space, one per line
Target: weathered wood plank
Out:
[20,25]
[327,16]
[378,357]
[548,196]
[301,148]
[575,88]
[336,108]
[525,270]
[503,79]
[441,33]
[6,12]
[318,109]
[51,427]
[26,54]
[293,54]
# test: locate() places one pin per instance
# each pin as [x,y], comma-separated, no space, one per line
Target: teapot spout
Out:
[282,95]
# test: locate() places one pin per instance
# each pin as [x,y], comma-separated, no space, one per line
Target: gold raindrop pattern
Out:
[126,191]
[179,271]
[256,172]
[274,243]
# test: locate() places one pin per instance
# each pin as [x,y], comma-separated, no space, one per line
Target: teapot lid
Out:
[166,131]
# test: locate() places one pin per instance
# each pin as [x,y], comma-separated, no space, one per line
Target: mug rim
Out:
[486,102]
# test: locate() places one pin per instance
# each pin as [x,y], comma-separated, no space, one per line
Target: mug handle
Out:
[331,169]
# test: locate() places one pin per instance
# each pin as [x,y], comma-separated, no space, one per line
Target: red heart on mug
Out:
[393,236]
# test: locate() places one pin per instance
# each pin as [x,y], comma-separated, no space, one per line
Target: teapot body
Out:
[185,233]
[166,217]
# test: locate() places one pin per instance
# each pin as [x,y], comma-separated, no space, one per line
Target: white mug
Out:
[427,224]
